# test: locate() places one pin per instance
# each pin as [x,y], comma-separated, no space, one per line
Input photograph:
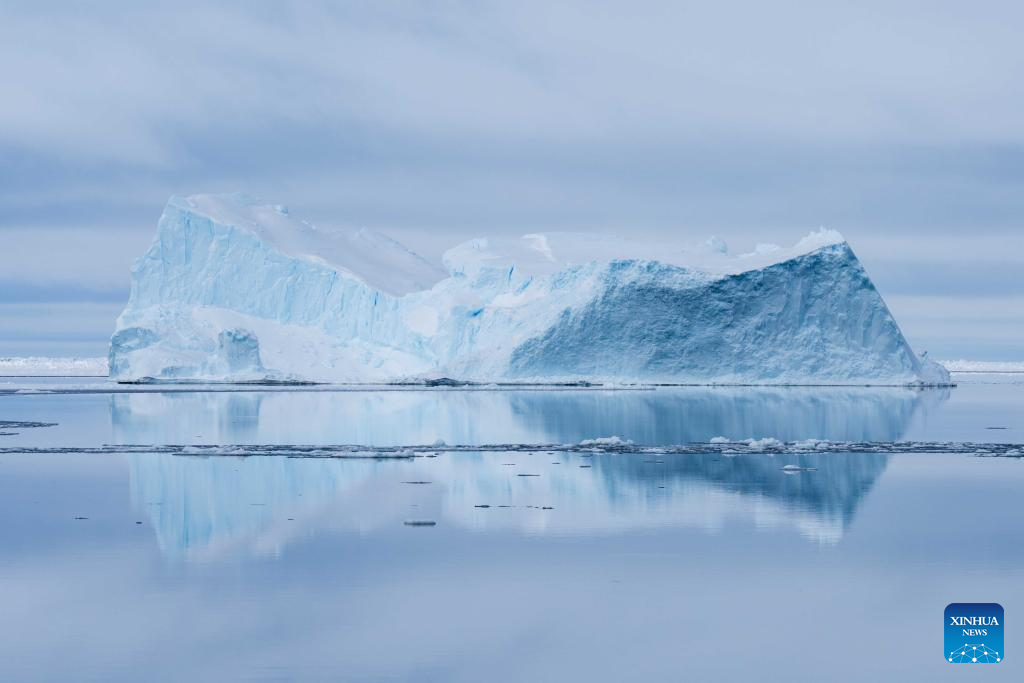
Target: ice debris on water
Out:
[812,444]
[21,424]
[213,450]
[606,441]
[585,449]
[767,443]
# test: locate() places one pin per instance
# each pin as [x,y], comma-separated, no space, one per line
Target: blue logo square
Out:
[974,633]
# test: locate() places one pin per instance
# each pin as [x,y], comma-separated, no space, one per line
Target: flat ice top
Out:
[371,256]
[544,253]
[389,266]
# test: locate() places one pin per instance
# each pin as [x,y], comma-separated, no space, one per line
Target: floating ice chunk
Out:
[719,439]
[606,441]
[812,444]
[765,443]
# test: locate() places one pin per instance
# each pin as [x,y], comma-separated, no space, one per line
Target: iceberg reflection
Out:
[207,505]
[213,505]
[387,418]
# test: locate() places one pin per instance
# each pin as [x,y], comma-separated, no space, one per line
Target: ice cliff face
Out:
[234,290]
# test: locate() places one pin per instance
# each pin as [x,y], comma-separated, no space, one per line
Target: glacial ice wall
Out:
[232,290]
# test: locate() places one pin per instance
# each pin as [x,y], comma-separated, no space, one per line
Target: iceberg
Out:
[238,291]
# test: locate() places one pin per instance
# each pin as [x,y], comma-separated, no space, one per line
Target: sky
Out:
[898,124]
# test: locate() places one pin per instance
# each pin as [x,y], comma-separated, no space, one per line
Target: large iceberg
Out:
[233,290]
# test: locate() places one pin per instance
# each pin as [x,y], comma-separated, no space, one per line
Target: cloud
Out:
[443,121]
[43,328]
[126,84]
[121,81]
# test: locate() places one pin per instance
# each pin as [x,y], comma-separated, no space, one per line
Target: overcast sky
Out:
[898,124]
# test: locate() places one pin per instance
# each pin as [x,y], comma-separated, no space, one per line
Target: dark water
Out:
[594,566]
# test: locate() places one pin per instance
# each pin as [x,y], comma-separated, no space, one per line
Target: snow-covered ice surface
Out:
[43,366]
[233,290]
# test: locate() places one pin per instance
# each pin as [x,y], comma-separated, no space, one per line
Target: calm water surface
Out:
[583,566]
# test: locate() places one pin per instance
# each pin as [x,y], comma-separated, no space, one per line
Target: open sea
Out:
[168,533]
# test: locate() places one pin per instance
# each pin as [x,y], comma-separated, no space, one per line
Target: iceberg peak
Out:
[376,259]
